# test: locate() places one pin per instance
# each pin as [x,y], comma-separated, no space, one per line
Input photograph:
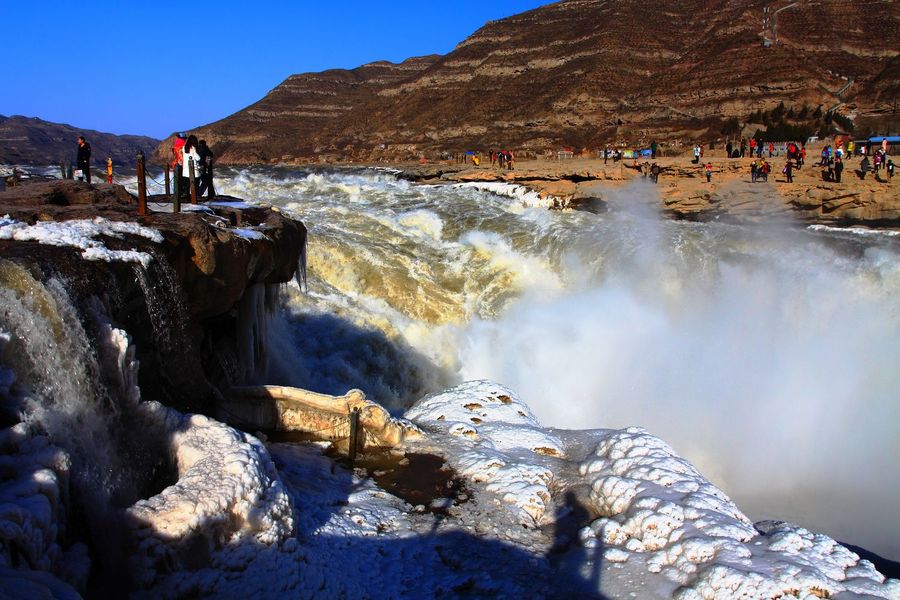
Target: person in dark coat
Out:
[84,159]
[206,170]
[789,171]
[863,167]
[838,169]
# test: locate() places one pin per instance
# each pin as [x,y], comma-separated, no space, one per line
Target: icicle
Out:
[300,275]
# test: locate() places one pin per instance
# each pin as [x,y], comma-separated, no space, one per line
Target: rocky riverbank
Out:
[683,193]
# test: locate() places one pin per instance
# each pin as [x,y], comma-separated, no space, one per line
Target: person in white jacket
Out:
[190,154]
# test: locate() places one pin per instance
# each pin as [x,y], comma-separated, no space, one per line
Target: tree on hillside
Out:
[731,126]
[778,112]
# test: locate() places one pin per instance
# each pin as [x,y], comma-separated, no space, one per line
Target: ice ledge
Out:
[228,492]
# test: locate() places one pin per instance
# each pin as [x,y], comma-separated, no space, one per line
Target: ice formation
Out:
[496,440]
[228,492]
[33,498]
[658,510]
[526,196]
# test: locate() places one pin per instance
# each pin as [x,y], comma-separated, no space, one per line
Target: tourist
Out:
[697,152]
[890,169]
[728,148]
[109,169]
[189,155]
[178,162]
[771,149]
[876,160]
[850,147]
[206,170]
[765,170]
[752,146]
[83,159]
[708,172]
[653,147]
[743,147]
[753,172]
[838,169]
[789,171]
[863,167]
[654,173]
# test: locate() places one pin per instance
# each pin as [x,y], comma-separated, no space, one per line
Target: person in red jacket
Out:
[178,160]
[708,172]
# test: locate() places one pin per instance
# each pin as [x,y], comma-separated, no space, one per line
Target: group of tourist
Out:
[503,158]
[187,151]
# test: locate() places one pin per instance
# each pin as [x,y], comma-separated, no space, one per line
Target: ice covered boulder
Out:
[228,492]
[660,512]
[493,438]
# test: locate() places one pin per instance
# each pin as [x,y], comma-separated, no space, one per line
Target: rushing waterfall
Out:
[767,354]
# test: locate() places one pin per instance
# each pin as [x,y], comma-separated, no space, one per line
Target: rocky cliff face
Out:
[31,141]
[186,307]
[582,73]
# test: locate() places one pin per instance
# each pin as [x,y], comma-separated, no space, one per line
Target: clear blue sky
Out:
[151,68]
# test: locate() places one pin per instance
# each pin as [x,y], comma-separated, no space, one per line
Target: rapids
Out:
[766,354]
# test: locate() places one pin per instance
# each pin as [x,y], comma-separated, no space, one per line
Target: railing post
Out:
[354,432]
[168,195]
[142,184]
[193,181]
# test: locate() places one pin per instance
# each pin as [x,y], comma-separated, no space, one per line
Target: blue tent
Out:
[891,139]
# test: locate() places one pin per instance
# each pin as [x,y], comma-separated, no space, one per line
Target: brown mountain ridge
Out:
[583,73]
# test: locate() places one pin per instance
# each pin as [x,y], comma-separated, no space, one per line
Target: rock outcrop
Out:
[184,307]
[683,193]
[580,73]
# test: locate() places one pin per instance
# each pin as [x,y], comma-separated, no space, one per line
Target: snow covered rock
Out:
[228,492]
[496,440]
[658,510]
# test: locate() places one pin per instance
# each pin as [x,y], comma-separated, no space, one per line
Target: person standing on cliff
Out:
[838,169]
[178,162]
[189,155]
[84,159]
[206,170]
[708,172]
[109,166]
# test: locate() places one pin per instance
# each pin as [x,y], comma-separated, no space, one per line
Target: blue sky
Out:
[151,68]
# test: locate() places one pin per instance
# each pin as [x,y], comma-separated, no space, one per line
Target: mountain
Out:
[25,140]
[584,73]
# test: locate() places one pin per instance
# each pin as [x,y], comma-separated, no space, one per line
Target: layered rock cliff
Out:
[582,73]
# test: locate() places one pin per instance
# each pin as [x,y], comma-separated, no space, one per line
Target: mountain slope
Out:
[25,140]
[583,73]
